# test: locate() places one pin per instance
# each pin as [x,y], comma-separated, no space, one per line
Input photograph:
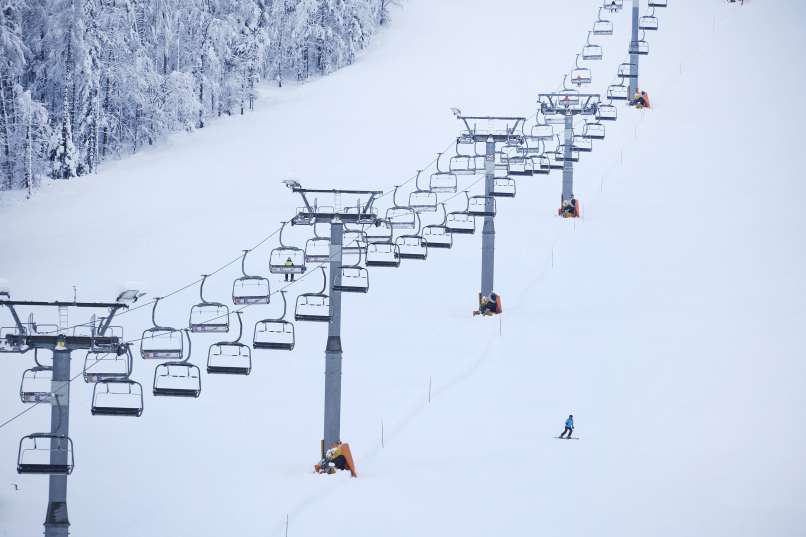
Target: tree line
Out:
[84,80]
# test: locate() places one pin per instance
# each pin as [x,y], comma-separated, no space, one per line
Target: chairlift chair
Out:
[627,70]
[400,216]
[354,278]
[208,316]
[648,22]
[542,165]
[35,386]
[314,307]
[640,47]
[383,254]
[462,165]
[286,259]
[422,200]
[381,231]
[522,167]
[121,397]
[613,5]
[438,235]
[178,379]
[581,76]
[412,245]
[602,26]
[606,112]
[557,161]
[354,241]
[504,187]
[443,182]
[317,249]
[250,289]
[274,334]
[592,51]
[658,3]
[573,156]
[618,92]
[161,342]
[542,131]
[594,130]
[103,365]
[230,357]
[481,206]
[582,143]
[45,453]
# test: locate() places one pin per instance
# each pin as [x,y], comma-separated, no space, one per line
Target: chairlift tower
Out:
[26,337]
[567,105]
[499,130]
[634,56]
[348,207]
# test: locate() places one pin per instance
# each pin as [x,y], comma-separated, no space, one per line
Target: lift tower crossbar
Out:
[348,206]
[499,129]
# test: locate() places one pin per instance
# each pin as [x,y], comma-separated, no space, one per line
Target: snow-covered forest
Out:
[84,80]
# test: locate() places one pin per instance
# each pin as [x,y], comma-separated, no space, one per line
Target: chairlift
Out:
[580,76]
[504,187]
[658,3]
[641,46]
[383,254]
[542,131]
[594,130]
[592,51]
[317,248]
[286,259]
[481,206]
[627,70]
[381,231]
[115,365]
[120,397]
[557,161]
[274,334]
[354,241]
[648,22]
[35,386]
[230,357]
[602,26]
[354,278]
[573,156]
[462,165]
[613,5]
[400,216]
[314,307]
[45,453]
[618,92]
[208,316]
[542,165]
[412,245]
[521,167]
[250,289]
[177,379]
[161,342]
[606,112]
[438,235]
[582,143]
[461,222]
[442,181]
[422,200]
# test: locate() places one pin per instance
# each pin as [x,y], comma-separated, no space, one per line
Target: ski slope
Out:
[667,319]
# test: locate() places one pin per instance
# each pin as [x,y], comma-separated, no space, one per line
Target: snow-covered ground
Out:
[667,320]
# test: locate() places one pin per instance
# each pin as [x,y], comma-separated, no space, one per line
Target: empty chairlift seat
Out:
[594,131]
[314,307]
[481,206]
[117,398]
[177,379]
[504,187]
[250,289]
[45,453]
[606,112]
[648,22]
[230,357]
[412,247]
[35,386]
[618,92]
[383,254]
[317,250]
[274,334]
[627,70]
[582,144]
[208,316]
[354,279]
[100,366]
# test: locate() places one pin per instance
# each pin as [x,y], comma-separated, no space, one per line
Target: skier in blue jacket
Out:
[569,427]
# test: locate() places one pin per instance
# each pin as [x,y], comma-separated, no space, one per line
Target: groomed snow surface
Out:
[668,320]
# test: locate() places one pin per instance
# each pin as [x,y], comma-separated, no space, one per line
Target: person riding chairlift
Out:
[569,208]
